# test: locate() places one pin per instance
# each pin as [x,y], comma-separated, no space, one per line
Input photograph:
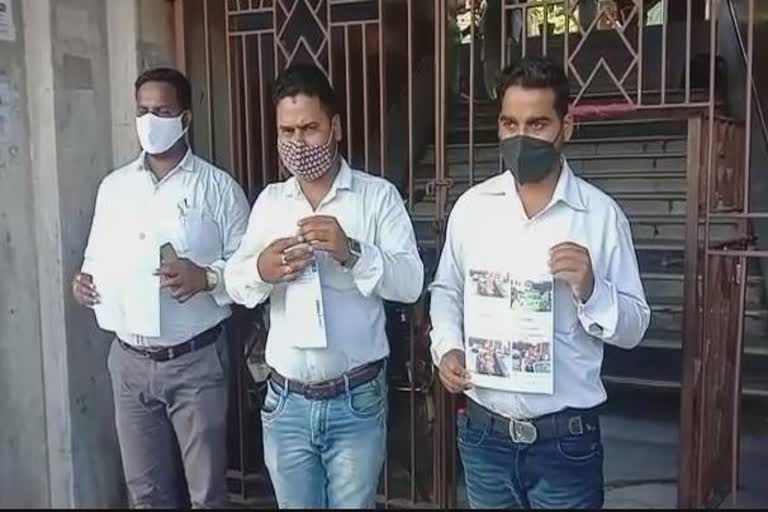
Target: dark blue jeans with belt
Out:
[565,472]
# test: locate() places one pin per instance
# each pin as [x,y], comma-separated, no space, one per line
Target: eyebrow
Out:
[532,120]
[155,107]
[300,127]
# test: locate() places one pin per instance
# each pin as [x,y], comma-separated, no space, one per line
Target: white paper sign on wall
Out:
[7,27]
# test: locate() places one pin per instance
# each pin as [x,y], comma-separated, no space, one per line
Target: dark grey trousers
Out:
[156,404]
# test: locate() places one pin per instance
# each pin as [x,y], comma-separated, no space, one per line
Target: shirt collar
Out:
[567,189]
[343,181]
[186,164]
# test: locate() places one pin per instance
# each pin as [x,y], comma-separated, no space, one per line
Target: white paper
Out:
[7,26]
[109,312]
[304,307]
[141,303]
[129,290]
[509,327]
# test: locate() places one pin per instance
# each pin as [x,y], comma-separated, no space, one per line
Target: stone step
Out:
[666,290]
[632,203]
[581,147]
[652,231]
[587,160]
[667,324]
[613,179]
[613,182]
[649,366]
[656,232]
[486,126]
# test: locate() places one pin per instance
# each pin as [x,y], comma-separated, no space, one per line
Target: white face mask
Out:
[158,134]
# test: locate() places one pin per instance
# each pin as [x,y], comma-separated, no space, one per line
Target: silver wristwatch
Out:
[211,279]
[355,252]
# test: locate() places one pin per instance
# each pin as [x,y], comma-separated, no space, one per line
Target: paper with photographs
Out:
[509,330]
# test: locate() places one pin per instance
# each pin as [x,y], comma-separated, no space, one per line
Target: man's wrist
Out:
[355,252]
[212,279]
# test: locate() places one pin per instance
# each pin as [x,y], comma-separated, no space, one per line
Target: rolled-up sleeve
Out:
[233,222]
[391,267]
[447,294]
[617,311]
[241,273]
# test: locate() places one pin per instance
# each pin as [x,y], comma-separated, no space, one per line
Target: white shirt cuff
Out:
[440,347]
[244,283]
[600,314]
[368,270]
[219,293]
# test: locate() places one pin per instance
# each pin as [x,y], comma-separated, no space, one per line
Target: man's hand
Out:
[572,263]
[84,291]
[453,373]
[183,279]
[325,234]
[284,260]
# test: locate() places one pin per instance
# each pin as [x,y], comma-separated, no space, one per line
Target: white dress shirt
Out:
[369,210]
[489,223]
[196,207]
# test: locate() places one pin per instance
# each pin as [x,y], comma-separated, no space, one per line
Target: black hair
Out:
[169,76]
[538,73]
[305,79]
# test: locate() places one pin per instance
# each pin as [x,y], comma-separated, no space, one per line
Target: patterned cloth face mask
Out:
[305,161]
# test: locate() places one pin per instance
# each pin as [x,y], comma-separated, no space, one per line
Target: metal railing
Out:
[379,53]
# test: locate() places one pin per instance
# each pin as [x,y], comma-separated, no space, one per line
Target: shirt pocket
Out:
[198,234]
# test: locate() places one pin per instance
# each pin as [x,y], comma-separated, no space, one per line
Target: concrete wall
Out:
[83,156]
[23,454]
[66,86]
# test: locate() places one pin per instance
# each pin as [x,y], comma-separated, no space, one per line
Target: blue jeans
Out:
[560,473]
[326,453]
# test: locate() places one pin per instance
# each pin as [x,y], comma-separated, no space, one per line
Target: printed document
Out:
[304,306]
[509,329]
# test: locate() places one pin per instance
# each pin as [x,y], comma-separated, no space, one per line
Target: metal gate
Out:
[383,59]
[722,180]
[414,79]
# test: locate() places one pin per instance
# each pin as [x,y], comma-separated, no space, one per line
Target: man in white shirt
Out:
[169,361]
[324,416]
[524,449]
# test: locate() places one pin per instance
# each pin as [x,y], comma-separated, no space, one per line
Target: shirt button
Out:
[142,236]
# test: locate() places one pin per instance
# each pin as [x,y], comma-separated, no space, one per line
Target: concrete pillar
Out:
[123,27]
[71,150]
[67,108]
[23,451]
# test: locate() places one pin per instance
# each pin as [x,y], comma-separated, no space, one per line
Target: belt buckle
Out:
[318,392]
[523,432]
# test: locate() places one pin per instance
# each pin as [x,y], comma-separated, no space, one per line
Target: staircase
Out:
[641,163]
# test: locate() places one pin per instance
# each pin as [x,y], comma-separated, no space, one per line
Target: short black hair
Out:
[169,76]
[538,73]
[306,79]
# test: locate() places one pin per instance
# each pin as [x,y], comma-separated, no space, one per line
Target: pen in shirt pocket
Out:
[183,207]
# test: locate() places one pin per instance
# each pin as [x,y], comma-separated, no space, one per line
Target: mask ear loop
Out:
[330,138]
[184,130]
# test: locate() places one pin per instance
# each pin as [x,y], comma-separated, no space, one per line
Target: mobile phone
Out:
[167,254]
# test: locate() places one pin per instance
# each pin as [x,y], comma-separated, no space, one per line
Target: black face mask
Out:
[529,159]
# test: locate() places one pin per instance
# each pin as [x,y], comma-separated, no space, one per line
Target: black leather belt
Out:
[161,355]
[570,422]
[329,389]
